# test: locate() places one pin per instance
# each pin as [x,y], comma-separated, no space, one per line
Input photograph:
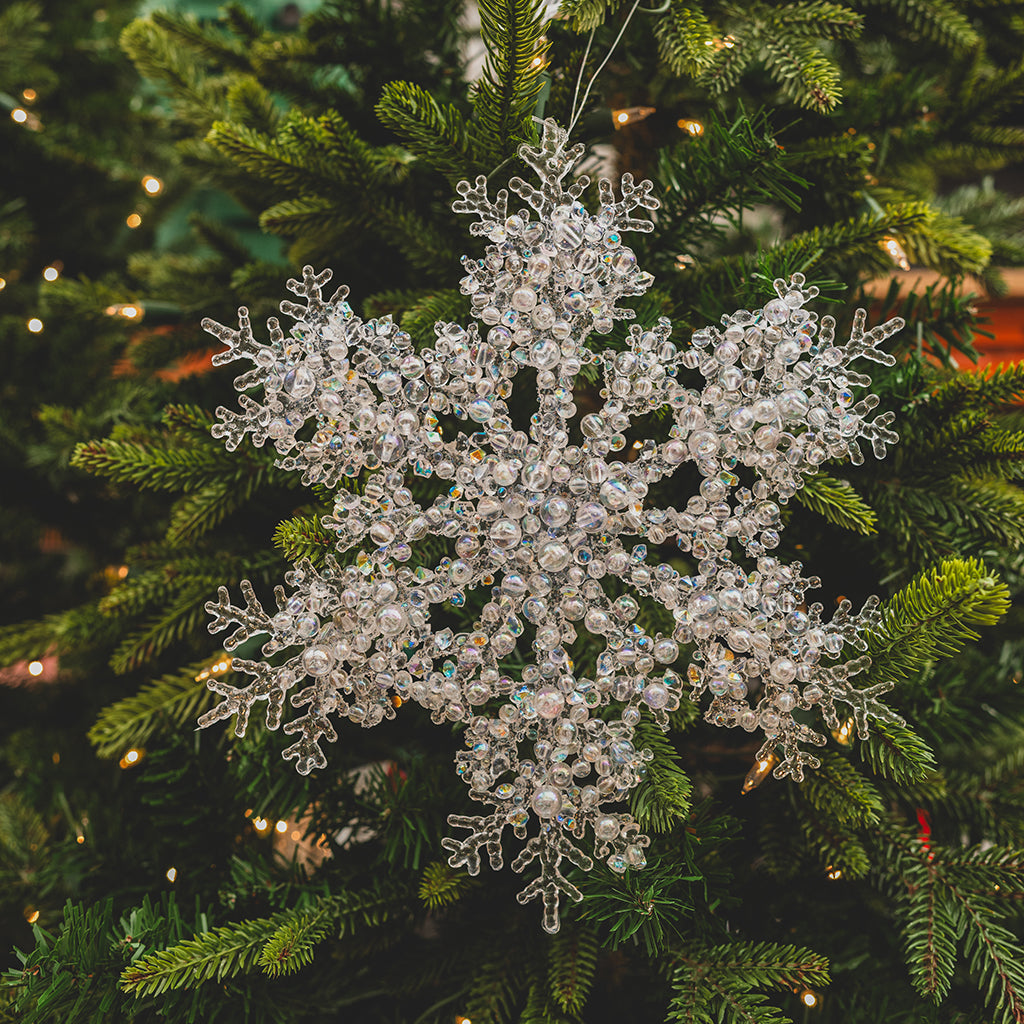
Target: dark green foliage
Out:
[723,983]
[838,502]
[934,616]
[819,133]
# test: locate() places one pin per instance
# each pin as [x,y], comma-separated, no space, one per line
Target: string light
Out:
[31,914]
[260,824]
[172,874]
[684,261]
[29,120]
[215,669]
[459,1019]
[691,126]
[129,310]
[809,998]
[122,572]
[35,668]
[132,757]
[844,734]
[133,220]
[28,95]
[3,283]
[896,252]
[154,186]
[52,272]
[35,325]
[630,115]
[761,770]
[833,874]
[282,827]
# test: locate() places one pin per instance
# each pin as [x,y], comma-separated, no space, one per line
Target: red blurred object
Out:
[925,834]
[1002,317]
[31,673]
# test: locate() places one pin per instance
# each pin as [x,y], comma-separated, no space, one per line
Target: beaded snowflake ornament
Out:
[540,516]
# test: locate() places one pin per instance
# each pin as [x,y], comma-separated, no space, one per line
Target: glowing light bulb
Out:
[630,115]
[761,770]
[35,325]
[133,220]
[690,126]
[172,874]
[131,757]
[35,668]
[844,734]
[28,95]
[896,252]
[260,824]
[122,572]
[282,827]
[808,998]
[19,116]
[51,274]
[31,915]
[3,283]
[154,186]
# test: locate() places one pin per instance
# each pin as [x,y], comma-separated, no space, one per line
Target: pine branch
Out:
[663,798]
[206,41]
[199,98]
[684,35]
[896,752]
[436,133]
[496,987]
[803,74]
[572,963]
[304,537]
[173,701]
[588,14]
[838,790]
[506,95]
[182,618]
[440,885]
[217,954]
[934,616]
[292,946]
[718,984]
[936,20]
[838,502]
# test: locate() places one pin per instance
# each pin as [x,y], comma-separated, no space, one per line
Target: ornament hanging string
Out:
[576,112]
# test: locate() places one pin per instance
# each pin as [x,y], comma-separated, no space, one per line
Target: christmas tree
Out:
[160,872]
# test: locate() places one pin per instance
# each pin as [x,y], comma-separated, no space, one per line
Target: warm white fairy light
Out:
[539,516]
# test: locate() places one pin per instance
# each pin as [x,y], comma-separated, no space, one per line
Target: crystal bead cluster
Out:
[540,516]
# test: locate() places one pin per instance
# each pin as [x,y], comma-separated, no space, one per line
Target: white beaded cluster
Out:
[539,516]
